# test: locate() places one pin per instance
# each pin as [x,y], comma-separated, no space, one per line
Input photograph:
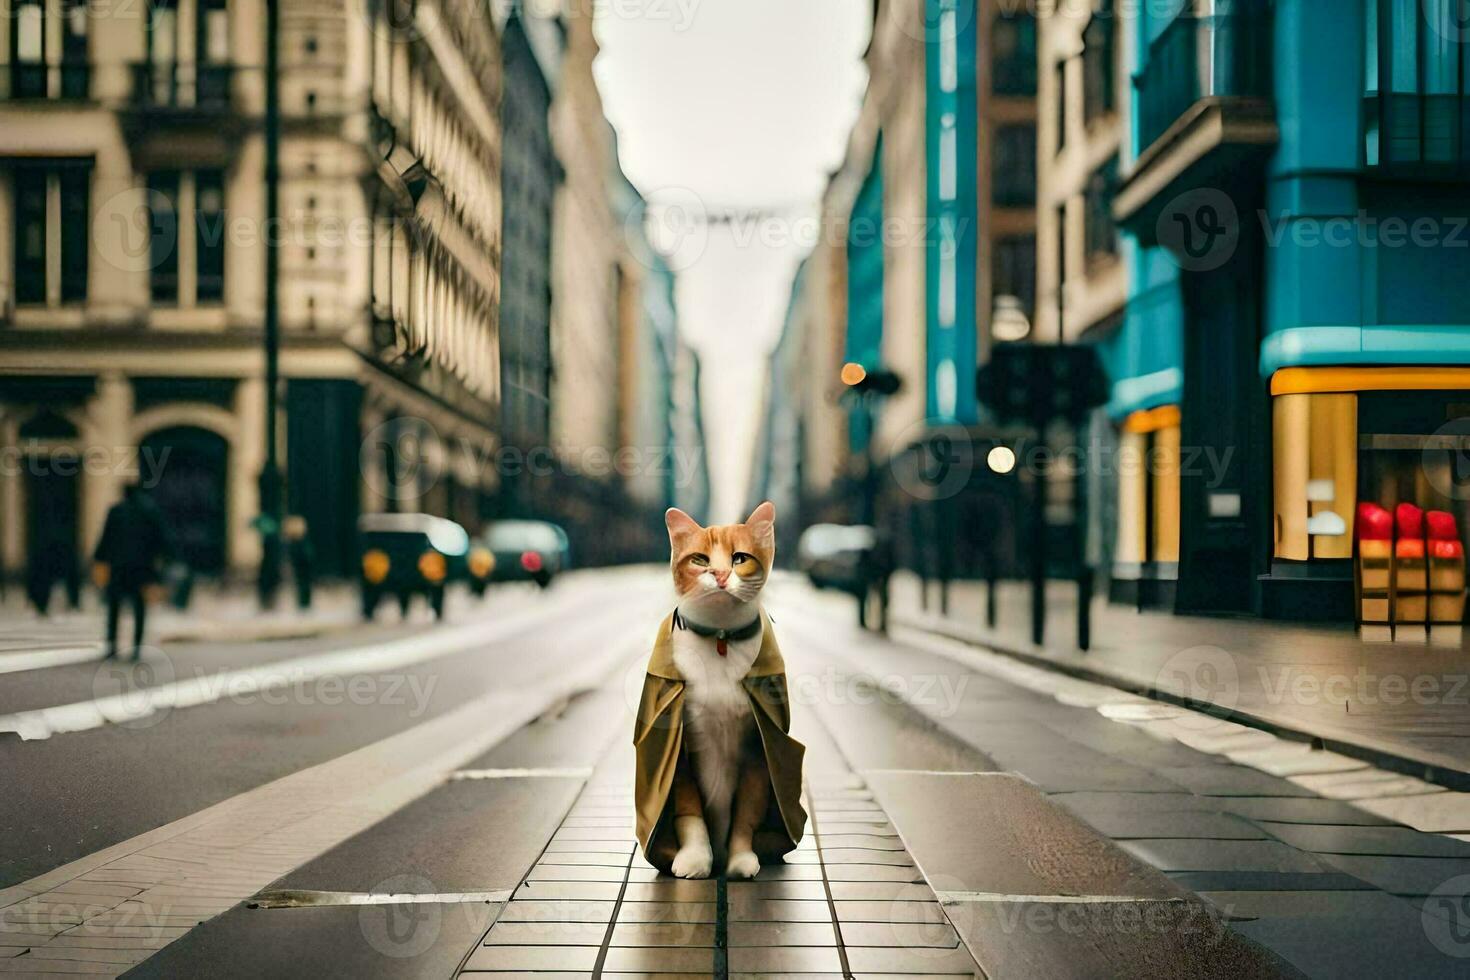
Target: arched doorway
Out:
[191,492]
[52,492]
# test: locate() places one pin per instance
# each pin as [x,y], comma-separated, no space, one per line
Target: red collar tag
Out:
[720,647]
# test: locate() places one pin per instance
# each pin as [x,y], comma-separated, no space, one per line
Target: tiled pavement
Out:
[848,901]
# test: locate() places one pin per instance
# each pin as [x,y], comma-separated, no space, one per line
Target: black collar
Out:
[739,633]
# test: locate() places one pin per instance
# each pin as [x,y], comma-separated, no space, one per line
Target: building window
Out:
[30,235]
[1099,60]
[163,247]
[1417,74]
[1149,468]
[209,235]
[1013,270]
[1013,167]
[1102,233]
[28,50]
[214,32]
[38,44]
[52,233]
[160,75]
[187,258]
[1013,54]
[1059,105]
[75,67]
[73,189]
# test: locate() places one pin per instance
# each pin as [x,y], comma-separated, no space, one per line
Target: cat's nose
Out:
[721,577]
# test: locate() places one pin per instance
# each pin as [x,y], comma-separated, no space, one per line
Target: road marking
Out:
[11,663]
[197,867]
[134,705]
[960,898]
[306,898]
[583,773]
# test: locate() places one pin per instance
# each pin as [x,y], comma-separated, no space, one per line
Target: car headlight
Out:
[433,567]
[375,565]
[481,562]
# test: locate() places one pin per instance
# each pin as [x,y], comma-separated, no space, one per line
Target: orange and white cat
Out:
[718,630]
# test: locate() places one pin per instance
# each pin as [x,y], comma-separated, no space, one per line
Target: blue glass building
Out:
[1297,330]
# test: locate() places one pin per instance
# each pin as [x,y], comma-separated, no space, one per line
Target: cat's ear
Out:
[680,525]
[762,521]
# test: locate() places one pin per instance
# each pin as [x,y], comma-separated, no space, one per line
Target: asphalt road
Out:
[75,793]
[1036,825]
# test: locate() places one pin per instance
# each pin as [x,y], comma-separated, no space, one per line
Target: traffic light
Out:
[1035,383]
[863,381]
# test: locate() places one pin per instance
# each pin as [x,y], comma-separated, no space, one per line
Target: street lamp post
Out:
[270,474]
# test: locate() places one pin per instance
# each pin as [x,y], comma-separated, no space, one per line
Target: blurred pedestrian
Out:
[302,556]
[134,542]
[875,569]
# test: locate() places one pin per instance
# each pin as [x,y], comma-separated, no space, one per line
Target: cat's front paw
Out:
[743,865]
[693,861]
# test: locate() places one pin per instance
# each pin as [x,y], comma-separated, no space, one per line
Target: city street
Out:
[1044,430]
[413,799]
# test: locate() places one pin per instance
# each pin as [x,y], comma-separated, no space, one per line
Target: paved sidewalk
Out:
[1399,705]
[848,901]
[216,614]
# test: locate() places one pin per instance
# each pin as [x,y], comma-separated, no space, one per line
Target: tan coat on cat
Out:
[658,738]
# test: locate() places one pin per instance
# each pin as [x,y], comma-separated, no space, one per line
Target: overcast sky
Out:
[727,105]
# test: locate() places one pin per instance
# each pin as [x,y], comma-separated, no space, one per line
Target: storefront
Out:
[1349,435]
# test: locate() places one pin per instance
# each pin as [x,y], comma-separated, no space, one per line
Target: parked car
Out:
[535,551]
[856,559]
[408,554]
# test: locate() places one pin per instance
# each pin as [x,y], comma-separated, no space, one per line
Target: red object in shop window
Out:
[1446,549]
[1410,521]
[1442,526]
[1374,523]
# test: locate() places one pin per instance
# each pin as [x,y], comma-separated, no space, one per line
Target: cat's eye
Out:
[741,557]
[701,560]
